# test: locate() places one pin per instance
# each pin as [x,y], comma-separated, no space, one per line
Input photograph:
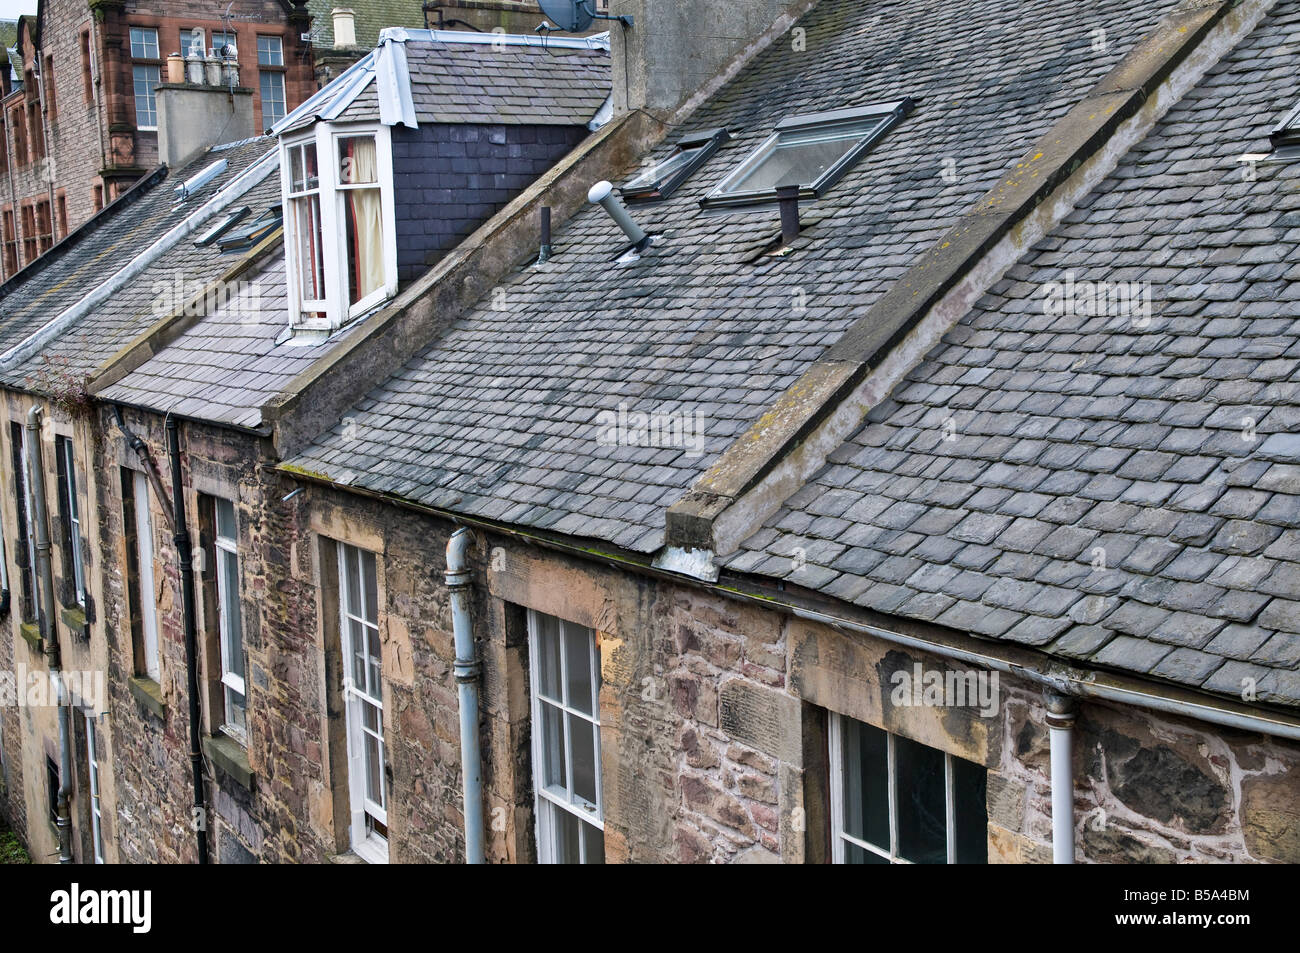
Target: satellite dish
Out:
[570,16]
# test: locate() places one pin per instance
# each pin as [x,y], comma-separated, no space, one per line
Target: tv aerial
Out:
[574,16]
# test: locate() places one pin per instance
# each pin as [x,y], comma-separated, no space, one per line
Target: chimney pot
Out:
[345,27]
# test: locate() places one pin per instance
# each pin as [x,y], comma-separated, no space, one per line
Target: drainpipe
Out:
[181,537]
[49,629]
[1061,711]
[468,672]
[150,471]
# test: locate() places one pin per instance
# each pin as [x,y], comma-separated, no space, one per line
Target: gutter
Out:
[1044,670]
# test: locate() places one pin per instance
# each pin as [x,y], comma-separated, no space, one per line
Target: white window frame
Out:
[548,800]
[268,78]
[366,842]
[154,66]
[338,311]
[64,445]
[96,814]
[145,577]
[227,549]
[840,837]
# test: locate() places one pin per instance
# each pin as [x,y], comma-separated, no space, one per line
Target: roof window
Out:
[661,179]
[223,223]
[250,233]
[1286,137]
[811,151]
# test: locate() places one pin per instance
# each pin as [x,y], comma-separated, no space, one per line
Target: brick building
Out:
[950,518]
[81,125]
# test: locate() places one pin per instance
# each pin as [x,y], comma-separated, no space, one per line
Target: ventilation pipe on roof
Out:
[1061,711]
[544,253]
[788,196]
[468,673]
[49,628]
[602,194]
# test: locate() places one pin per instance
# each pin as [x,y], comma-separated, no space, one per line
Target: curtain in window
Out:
[364,219]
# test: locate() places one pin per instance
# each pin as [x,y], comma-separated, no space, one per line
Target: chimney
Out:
[677,46]
[192,117]
[345,27]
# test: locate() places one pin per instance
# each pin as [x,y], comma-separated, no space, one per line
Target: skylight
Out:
[250,233]
[1286,136]
[223,223]
[811,151]
[661,179]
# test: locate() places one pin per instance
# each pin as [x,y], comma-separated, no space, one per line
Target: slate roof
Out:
[225,367]
[370,16]
[1169,449]
[498,418]
[102,246]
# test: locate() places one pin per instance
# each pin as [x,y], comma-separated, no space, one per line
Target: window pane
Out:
[801,157]
[352,571]
[922,823]
[302,165]
[234,660]
[970,803]
[566,834]
[273,105]
[191,44]
[311,256]
[853,854]
[374,768]
[145,79]
[548,648]
[357,634]
[866,783]
[226,520]
[553,768]
[235,713]
[593,842]
[144,43]
[371,578]
[270,51]
[365,242]
[357,160]
[660,171]
[577,648]
[582,744]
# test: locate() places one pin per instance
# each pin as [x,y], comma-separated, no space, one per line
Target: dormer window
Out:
[811,151]
[340,245]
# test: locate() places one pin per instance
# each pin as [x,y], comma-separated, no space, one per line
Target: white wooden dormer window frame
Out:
[330,305]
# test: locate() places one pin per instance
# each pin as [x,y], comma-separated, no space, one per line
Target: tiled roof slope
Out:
[499,417]
[105,248]
[1169,450]
[479,83]
[225,367]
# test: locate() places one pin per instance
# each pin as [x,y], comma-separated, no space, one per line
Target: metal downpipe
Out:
[181,537]
[1061,711]
[468,673]
[49,627]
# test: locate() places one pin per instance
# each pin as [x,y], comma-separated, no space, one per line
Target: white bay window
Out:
[340,247]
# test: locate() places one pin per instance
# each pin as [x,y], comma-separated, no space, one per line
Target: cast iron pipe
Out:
[468,672]
[181,537]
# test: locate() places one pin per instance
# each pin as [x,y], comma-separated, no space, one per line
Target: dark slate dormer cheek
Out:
[449,179]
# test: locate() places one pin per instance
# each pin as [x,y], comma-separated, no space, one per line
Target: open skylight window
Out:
[661,179]
[223,223]
[1286,137]
[250,233]
[811,151]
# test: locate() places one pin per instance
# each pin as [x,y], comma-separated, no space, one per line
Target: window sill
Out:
[31,633]
[347,858]
[148,693]
[74,617]
[371,852]
[230,758]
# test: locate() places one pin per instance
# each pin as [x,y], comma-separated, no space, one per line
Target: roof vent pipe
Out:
[602,194]
[544,253]
[788,196]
